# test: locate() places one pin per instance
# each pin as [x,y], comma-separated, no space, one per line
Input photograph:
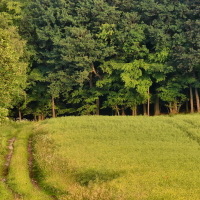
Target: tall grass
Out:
[136,158]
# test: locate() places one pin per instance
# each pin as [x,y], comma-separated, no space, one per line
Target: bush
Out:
[3,114]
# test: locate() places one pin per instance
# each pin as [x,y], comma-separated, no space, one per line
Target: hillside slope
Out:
[134,158]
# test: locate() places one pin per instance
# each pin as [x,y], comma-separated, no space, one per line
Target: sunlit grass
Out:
[120,157]
[7,131]
[16,183]
[18,177]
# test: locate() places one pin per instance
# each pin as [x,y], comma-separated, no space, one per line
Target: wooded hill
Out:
[71,57]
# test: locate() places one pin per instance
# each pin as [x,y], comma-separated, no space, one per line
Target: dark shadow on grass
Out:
[39,176]
[93,176]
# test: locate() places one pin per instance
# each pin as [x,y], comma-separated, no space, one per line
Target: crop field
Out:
[103,158]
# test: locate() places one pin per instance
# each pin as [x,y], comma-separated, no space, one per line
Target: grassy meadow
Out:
[103,158]
[130,158]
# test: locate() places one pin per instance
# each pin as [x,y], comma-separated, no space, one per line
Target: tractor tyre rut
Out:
[8,158]
[31,166]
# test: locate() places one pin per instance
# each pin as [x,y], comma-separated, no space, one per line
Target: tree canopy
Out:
[12,58]
[99,57]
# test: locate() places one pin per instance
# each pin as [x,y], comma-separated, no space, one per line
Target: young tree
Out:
[12,65]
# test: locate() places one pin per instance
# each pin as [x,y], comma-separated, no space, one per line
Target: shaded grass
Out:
[120,157]
[88,176]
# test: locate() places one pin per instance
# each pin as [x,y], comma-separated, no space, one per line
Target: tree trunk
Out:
[148,103]
[117,111]
[53,108]
[197,99]
[90,80]
[157,106]
[173,107]
[191,101]
[134,111]
[145,109]
[20,115]
[98,105]
[91,86]
[95,72]
[176,110]
[35,117]
[123,111]
[39,118]
[170,107]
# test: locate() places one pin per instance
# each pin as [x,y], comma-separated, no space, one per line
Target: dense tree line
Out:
[99,57]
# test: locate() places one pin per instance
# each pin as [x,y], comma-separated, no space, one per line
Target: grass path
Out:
[187,126]
[7,135]
[191,134]
[7,166]
[18,174]
[32,170]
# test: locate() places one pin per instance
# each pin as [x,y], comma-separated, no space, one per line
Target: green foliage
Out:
[12,53]
[172,93]
[82,51]
[3,114]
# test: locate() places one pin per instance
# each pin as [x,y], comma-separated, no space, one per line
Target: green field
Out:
[106,158]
